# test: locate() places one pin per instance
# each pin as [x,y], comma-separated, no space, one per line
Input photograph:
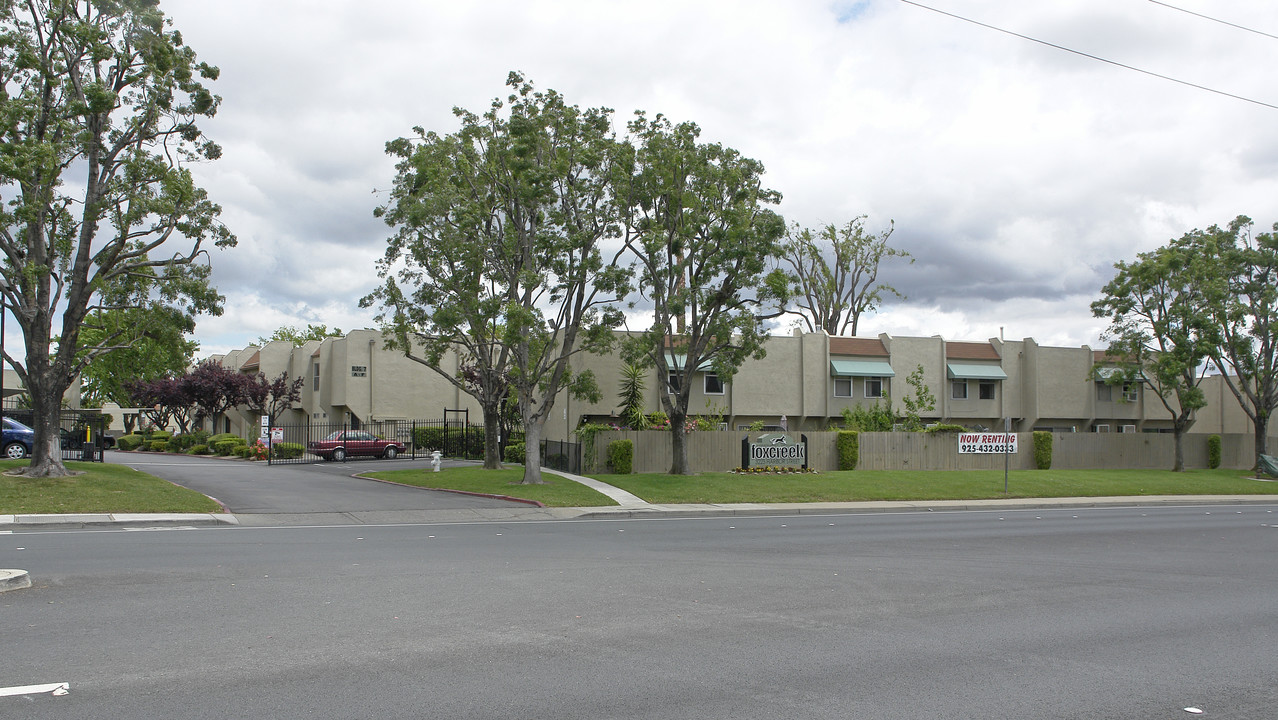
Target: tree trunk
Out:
[1261,425]
[679,444]
[46,416]
[492,439]
[532,452]
[1178,465]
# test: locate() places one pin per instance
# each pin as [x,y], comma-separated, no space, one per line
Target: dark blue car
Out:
[17,439]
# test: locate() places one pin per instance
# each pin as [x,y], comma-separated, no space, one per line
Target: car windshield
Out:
[336,435]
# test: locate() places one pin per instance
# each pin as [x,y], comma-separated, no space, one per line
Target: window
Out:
[317,376]
[1101,428]
[842,387]
[1104,392]
[1126,428]
[1130,392]
[672,382]
[874,387]
[712,385]
[359,370]
[958,389]
[987,390]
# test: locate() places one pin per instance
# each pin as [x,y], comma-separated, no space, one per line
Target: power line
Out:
[1092,57]
[1222,22]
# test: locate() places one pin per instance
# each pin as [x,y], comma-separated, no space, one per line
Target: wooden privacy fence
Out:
[721,451]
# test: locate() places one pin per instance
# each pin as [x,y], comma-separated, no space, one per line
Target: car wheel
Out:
[339,455]
[15,451]
[391,452]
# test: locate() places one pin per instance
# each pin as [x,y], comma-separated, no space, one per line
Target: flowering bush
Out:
[775,470]
[257,451]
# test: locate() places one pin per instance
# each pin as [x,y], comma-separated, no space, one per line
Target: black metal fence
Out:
[561,455]
[341,442]
[83,433]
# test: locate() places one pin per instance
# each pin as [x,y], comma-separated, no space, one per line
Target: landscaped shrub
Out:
[514,453]
[158,445]
[848,445]
[160,435]
[621,456]
[1213,451]
[214,439]
[287,450]
[228,447]
[1043,450]
[199,449]
[946,428]
[244,451]
[129,442]
[182,443]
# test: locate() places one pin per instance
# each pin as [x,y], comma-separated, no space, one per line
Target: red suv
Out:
[338,445]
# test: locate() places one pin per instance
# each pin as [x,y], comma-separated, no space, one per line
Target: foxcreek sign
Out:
[987,443]
[775,449]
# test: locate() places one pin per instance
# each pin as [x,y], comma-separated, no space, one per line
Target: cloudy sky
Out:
[1016,173]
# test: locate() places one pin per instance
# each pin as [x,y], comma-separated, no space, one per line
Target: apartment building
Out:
[804,383]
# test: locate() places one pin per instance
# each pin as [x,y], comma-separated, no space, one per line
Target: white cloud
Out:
[1017,174]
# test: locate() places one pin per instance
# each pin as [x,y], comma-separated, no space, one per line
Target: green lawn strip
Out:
[101,489]
[555,492]
[868,485]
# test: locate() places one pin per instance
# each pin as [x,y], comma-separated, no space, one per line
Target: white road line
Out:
[54,688]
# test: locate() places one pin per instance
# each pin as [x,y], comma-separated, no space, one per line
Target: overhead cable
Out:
[1093,57]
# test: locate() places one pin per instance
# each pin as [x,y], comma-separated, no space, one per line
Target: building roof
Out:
[253,362]
[970,351]
[865,347]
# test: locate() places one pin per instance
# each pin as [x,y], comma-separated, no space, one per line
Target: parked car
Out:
[18,439]
[342,443]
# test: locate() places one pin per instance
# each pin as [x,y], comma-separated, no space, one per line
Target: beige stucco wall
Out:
[1045,386]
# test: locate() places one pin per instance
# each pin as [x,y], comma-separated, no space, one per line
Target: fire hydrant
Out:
[436,458]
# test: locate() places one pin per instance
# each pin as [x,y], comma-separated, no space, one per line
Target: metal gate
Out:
[341,442]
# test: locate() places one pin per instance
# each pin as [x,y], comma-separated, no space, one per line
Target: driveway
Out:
[257,488]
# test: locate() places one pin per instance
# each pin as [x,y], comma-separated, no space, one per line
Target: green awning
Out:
[960,371]
[676,361]
[861,368]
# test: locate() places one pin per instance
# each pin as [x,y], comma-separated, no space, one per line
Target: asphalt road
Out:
[1084,613]
[254,487]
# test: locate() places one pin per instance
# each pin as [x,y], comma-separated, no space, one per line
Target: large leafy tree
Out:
[214,388]
[160,347]
[499,253]
[1242,298]
[1160,329]
[698,223]
[97,123]
[833,273]
[271,397]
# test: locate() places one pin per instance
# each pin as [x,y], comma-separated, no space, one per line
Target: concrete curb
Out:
[758,509]
[11,522]
[14,580]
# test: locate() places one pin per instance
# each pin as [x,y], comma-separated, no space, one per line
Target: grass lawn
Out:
[101,489]
[556,492]
[861,485]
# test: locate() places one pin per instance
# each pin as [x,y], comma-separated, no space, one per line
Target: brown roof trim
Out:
[970,351]
[253,362]
[865,347]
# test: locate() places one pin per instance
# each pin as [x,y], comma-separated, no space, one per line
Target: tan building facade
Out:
[805,382]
